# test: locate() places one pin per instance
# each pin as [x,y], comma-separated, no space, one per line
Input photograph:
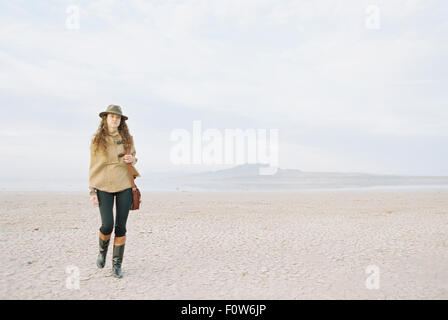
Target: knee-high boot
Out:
[104,245]
[117,259]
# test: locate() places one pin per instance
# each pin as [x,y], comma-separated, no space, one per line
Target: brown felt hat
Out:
[113,109]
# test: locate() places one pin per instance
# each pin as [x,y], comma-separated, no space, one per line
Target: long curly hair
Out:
[99,138]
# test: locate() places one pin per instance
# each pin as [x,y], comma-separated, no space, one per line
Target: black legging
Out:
[123,204]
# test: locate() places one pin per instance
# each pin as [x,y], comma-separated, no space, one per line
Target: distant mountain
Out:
[244,170]
[247,177]
[252,171]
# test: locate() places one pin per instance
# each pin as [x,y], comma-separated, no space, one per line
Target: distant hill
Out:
[247,177]
[244,170]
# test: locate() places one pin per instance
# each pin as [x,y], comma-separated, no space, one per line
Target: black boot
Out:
[101,260]
[117,260]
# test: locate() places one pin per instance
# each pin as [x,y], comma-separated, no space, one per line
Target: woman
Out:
[109,179]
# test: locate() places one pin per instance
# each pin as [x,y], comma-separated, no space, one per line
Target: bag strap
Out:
[134,187]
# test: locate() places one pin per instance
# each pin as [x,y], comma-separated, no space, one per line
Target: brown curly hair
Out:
[99,138]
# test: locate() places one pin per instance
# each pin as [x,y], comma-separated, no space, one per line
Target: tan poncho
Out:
[108,172]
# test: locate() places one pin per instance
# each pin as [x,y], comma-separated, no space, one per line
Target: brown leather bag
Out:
[136,193]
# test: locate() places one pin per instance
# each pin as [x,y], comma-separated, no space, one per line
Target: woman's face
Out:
[113,121]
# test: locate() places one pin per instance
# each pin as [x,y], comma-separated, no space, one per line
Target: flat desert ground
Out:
[367,244]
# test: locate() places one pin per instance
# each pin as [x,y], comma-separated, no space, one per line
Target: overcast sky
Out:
[352,86]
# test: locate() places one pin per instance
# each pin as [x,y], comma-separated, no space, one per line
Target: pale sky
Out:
[352,86]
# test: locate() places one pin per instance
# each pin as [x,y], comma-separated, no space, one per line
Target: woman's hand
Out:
[94,200]
[128,158]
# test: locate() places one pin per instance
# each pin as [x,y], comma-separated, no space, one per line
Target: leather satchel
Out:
[135,192]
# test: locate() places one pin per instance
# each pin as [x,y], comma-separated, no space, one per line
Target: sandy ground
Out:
[307,245]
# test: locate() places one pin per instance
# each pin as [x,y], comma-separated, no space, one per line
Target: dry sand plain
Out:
[304,245]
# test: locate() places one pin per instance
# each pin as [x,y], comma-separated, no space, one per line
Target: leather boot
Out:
[104,245]
[117,260]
